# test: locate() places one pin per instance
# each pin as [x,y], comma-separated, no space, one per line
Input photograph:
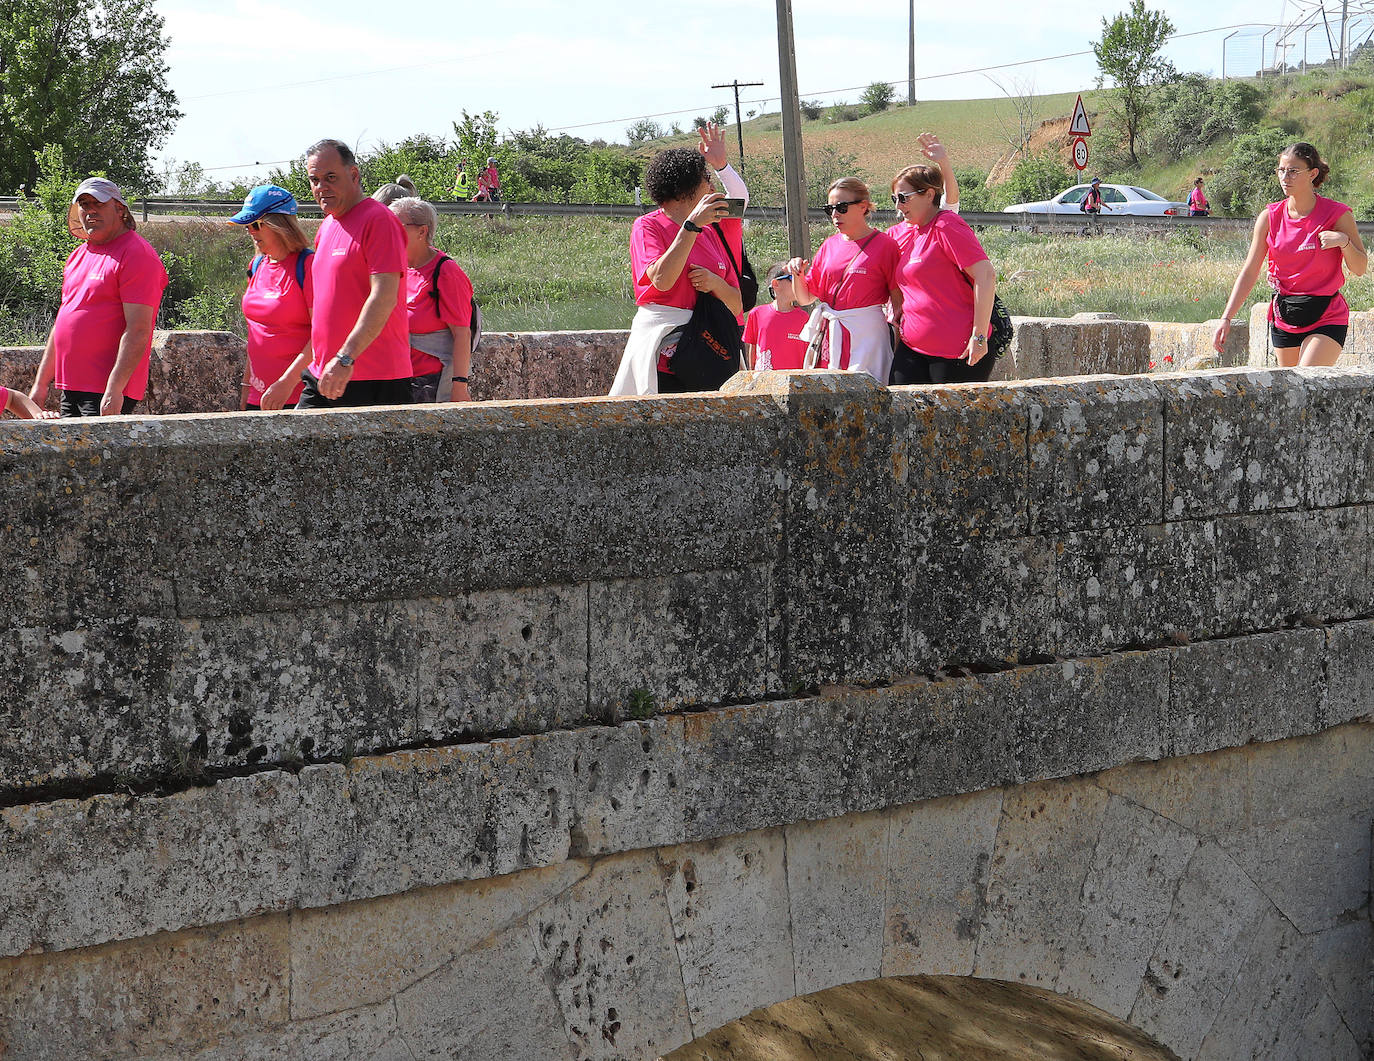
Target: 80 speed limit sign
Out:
[1080,153]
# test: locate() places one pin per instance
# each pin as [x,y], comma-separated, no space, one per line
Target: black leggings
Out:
[910,368]
[87,403]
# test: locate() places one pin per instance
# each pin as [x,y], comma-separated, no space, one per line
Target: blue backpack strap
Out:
[253,265]
[301,259]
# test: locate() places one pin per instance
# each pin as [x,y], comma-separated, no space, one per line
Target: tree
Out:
[1129,54]
[1246,181]
[89,77]
[643,131]
[1195,111]
[878,96]
[1035,177]
[1021,94]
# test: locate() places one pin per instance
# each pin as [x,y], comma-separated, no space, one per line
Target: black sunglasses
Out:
[839,208]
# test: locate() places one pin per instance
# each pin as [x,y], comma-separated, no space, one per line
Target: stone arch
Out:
[919,1016]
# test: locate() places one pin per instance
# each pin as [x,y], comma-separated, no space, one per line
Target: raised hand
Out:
[713,146]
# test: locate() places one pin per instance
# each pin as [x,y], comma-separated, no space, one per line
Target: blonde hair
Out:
[293,236]
[853,186]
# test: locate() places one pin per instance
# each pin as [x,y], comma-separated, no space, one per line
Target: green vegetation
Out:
[1130,55]
[878,96]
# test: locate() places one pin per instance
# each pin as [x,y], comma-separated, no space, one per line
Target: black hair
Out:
[674,174]
[1305,151]
[345,155]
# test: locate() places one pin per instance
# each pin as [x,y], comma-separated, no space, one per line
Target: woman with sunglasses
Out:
[685,248]
[947,287]
[851,278]
[1310,241]
[277,303]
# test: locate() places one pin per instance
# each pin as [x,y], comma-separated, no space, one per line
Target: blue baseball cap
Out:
[264,199]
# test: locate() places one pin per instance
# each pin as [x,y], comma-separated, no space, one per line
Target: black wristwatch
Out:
[345,360]
[690,227]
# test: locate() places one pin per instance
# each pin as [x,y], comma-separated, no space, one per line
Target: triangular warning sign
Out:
[1078,124]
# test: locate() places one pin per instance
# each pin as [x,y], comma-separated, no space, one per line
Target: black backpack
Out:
[476,310]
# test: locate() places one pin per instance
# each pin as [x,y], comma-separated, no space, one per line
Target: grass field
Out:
[552,274]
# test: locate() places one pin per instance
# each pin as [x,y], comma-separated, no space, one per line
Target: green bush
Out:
[974,194]
[878,96]
[34,246]
[1246,179]
[811,109]
[1035,177]
[1195,111]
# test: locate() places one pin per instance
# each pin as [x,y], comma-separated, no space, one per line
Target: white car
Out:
[1116,199]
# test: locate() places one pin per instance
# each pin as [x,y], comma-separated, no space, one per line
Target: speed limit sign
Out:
[1080,153]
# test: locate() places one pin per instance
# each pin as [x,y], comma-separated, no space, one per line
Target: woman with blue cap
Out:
[277,303]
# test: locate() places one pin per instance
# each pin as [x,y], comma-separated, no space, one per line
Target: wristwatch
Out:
[345,360]
[690,227]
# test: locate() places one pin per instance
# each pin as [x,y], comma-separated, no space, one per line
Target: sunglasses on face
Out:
[831,209]
[899,198]
[258,225]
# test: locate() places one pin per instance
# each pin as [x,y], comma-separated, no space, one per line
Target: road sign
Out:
[1080,153]
[1078,124]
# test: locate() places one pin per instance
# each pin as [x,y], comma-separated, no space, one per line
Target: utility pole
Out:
[739,129]
[911,55]
[794,178]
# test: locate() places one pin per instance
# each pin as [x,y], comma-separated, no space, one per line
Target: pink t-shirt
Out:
[1299,266]
[277,312]
[777,336]
[937,295]
[651,237]
[4,399]
[455,307]
[349,250]
[1196,200]
[96,283]
[869,280]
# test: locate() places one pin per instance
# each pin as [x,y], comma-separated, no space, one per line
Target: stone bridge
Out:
[583,729]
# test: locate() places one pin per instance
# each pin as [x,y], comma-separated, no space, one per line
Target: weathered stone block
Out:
[369,1032]
[1135,586]
[1349,673]
[1078,716]
[1045,847]
[490,1002]
[499,661]
[174,991]
[1128,893]
[194,372]
[363,953]
[837,888]
[1340,436]
[571,364]
[728,901]
[1264,687]
[277,686]
[1271,572]
[939,855]
[979,599]
[1046,346]
[497,373]
[961,462]
[616,979]
[836,448]
[77,874]
[629,786]
[1215,916]
[681,639]
[1233,442]
[1095,447]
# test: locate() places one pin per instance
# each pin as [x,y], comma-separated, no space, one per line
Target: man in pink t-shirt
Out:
[358,333]
[112,284]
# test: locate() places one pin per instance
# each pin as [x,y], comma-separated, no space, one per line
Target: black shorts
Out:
[358,392]
[1281,340]
[87,403]
[912,368]
[425,389]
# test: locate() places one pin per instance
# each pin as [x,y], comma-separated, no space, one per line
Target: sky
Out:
[260,81]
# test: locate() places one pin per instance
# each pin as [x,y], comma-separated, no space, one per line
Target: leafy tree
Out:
[823,164]
[1129,54]
[1246,180]
[1195,111]
[90,77]
[33,248]
[1035,177]
[643,131]
[721,115]
[878,96]
[811,109]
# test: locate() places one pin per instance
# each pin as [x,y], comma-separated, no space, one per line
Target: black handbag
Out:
[709,349]
[1301,311]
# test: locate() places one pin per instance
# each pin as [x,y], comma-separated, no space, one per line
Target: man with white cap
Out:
[112,284]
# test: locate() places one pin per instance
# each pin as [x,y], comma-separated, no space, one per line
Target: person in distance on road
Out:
[1309,241]
[112,285]
[277,301]
[1198,206]
[358,335]
[851,278]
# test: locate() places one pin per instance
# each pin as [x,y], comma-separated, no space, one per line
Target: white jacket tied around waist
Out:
[638,371]
[870,340]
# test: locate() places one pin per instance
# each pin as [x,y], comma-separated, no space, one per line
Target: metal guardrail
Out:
[1036,223]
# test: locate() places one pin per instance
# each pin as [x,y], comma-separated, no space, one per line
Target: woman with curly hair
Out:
[1310,241]
[684,248]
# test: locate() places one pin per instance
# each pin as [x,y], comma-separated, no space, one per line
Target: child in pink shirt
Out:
[22,406]
[772,333]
